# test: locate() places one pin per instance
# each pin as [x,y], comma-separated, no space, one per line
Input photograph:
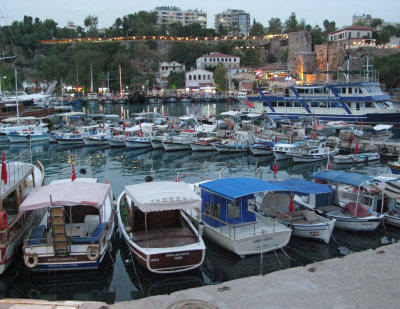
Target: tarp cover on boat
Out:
[232,188]
[304,187]
[352,179]
[163,195]
[66,194]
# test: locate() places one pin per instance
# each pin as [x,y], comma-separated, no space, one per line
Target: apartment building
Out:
[236,21]
[212,60]
[172,14]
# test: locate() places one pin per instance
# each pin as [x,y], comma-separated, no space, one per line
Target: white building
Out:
[212,60]
[366,20]
[71,25]
[229,17]
[354,32]
[165,68]
[199,79]
[172,14]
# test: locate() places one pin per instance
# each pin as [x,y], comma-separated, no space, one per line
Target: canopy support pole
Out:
[145,227]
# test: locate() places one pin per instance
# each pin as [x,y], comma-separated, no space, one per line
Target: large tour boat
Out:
[351,100]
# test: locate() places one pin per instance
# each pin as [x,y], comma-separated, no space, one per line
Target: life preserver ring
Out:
[126,133]
[384,150]
[31,260]
[34,294]
[92,253]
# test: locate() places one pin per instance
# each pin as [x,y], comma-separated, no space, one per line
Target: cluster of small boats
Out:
[68,224]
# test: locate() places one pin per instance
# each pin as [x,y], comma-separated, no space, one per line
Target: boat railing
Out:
[275,212]
[231,226]
[18,168]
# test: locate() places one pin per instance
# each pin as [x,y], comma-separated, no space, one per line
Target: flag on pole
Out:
[291,205]
[276,139]
[356,149]
[73,177]
[275,170]
[329,164]
[4,174]
[361,123]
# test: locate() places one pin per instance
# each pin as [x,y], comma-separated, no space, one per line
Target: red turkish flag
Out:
[275,170]
[291,206]
[4,174]
[73,177]
[356,149]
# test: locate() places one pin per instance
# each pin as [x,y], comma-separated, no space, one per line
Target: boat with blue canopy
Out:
[291,211]
[350,209]
[229,216]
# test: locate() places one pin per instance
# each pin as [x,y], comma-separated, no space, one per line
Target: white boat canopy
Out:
[163,195]
[67,194]
[380,127]
[206,128]
[139,127]
[230,113]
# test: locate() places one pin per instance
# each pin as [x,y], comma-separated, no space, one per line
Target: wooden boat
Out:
[395,166]
[155,228]
[312,151]
[356,158]
[77,226]
[348,210]
[240,142]
[28,135]
[281,150]
[300,215]
[261,148]
[204,144]
[22,176]
[229,220]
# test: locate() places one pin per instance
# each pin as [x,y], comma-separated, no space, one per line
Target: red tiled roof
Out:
[206,84]
[272,67]
[353,27]
[213,55]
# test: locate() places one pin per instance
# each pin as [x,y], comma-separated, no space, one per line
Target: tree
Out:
[376,22]
[222,30]
[234,28]
[176,80]
[220,79]
[389,68]
[257,29]
[275,26]
[329,26]
[91,22]
[271,58]
[291,24]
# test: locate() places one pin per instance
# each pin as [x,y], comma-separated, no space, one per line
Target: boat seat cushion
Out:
[95,237]
[37,235]
[309,215]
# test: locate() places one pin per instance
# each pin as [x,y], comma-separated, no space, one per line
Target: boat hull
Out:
[27,138]
[131,144]
[171,146]
[363,158]
[367,224]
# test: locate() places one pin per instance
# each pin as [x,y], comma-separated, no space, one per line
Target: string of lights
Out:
[163,38]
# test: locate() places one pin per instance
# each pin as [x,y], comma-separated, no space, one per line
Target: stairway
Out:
[61,247]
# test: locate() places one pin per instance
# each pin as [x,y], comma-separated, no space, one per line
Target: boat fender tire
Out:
[31,260]
[34,294]
[384,150]
[92,253]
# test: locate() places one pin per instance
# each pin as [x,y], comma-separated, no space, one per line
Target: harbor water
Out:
[120,278]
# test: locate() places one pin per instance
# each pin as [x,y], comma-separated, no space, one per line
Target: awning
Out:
[232,188]
[352,179]
[163,195]
[66,194]
[304,187]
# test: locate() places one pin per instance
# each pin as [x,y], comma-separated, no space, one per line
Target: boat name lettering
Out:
[155,260]
[310,98]
[64,259]
[259,240]
[177,254]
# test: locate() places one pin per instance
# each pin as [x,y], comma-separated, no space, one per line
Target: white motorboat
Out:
[157,231]
[240,142]
[180,142]
[229,219]
[22,177]
[299,213]
[99,137]
[204,144]
[261,147]
[356,158]
[348,210]
[281,150]
[76,230]
[312,151]
[117,141]
[32,134]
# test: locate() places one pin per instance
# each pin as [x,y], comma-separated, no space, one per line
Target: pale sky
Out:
[107,11]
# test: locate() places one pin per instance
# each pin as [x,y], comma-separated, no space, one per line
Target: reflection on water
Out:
[119,278]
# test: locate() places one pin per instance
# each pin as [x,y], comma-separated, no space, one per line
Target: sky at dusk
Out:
[313,11]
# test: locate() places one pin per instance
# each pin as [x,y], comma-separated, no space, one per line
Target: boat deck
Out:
[17,171]
[165,237]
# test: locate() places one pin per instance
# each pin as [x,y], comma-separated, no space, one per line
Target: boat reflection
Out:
[150,284]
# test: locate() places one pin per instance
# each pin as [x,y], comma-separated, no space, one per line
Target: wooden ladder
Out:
[60,244]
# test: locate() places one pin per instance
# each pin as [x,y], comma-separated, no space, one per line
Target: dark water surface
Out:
[119,277]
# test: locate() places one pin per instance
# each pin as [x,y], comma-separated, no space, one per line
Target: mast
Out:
[16,94]
[120,81]
[108,81]
[91,78]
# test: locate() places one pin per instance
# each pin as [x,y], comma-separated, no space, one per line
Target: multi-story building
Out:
[199,79]
[231,18]
[212,60]
[172,14]
[366,20]
[166,68]
[352,33]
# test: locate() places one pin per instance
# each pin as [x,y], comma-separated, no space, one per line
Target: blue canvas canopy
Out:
[352,179]
[232,188]
[304,187]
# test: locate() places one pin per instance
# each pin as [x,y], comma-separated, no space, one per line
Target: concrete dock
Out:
[369,279]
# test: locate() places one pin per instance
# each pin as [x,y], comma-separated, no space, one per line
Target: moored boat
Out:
[155,228]
[77,227]
[356,158]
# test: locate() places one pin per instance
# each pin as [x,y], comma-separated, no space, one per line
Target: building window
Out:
[194,77]
[199,77]
[204,77]
[190,77]
[358,34]
[349,34]
[234,59]
[208,77]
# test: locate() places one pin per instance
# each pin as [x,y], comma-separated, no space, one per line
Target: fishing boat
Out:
[299,214]
[239,142]
[395,166]
[261,147]
[107,98]
[100,136]
[281,150]
[76,136]
[312,151]
[204,143]
[157,231]
[346,99]
[364,157]
[18,180]
[228,216]
[347,207]
[181,141]
[76,229]
[32,134]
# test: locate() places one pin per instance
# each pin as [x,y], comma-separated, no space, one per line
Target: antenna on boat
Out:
[16,94]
